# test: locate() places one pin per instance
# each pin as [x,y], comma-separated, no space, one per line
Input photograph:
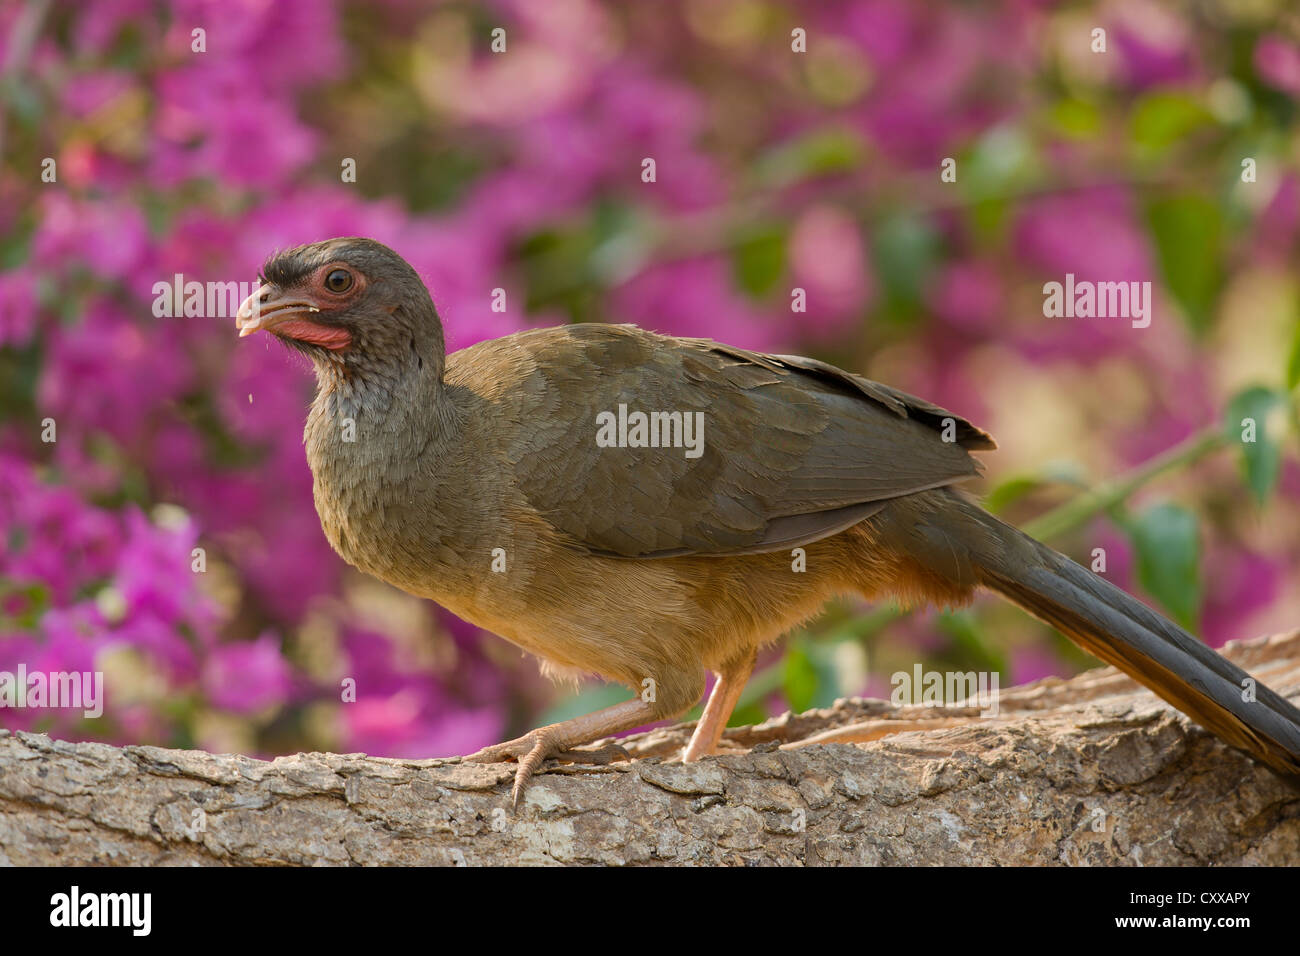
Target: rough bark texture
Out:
[1094,770]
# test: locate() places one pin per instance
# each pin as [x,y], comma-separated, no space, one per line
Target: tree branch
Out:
[1092,770]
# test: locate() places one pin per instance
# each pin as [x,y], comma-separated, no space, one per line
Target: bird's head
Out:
[349,304]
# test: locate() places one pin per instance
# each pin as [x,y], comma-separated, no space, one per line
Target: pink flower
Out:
[1155,60]
[133,381]
[828,260]
[1093,233]
[969,294]
[1241,587]
[1034,663]
[18,308]
[156,576]
[107,236]
[694,297]
[1278,223]
[388,728]
[1277,61]
[247,677]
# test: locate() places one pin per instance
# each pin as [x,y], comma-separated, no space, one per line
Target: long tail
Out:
[1119,629]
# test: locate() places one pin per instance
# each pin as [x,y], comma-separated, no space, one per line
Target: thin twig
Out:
[1105,496]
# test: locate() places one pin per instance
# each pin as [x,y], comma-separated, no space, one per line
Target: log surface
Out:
[1094,770]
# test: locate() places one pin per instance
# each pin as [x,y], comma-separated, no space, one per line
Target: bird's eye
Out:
[340,280]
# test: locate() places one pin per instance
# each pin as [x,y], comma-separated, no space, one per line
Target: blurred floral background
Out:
[155,505]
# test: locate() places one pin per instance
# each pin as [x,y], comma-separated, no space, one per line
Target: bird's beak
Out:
[268,307]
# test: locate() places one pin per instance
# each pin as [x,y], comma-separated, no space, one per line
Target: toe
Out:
[503,752]
[543,747]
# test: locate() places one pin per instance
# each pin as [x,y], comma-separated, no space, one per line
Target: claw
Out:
[530,750]
[533,749]
[527,766]
[508,750]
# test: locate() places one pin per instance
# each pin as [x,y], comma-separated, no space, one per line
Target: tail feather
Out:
[1120,630]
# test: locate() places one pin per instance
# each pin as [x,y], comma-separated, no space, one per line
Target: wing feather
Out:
[794,450]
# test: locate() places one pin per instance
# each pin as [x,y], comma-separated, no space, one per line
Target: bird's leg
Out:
[556,739]
[722,701]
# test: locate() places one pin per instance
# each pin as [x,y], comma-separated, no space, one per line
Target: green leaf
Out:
[1166,539]
[1054,472]
[1293,362]
[1247,424]
[1077,119]
[591,699]
[1162,119]
[758,261]
[801,678]
[745,715]
[821,152]
[26,603]
[1011,491]
[905,249]
[811,679]
[999,163]
[969,644]
[989,218]
[1188,234]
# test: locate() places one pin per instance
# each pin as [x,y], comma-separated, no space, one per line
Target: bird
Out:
[625,504]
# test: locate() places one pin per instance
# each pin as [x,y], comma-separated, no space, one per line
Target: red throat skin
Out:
[327,337]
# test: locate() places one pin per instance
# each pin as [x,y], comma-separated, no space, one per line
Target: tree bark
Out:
[1093,770]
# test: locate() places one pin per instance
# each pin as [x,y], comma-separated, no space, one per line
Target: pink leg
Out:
[722,701]
[536,745]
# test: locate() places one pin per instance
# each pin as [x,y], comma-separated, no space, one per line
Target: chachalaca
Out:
[626,504]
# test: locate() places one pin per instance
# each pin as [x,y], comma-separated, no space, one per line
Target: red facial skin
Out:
[288,312]
[304,330]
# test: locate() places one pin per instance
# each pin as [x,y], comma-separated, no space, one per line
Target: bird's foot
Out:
[500,753]
[537,746]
